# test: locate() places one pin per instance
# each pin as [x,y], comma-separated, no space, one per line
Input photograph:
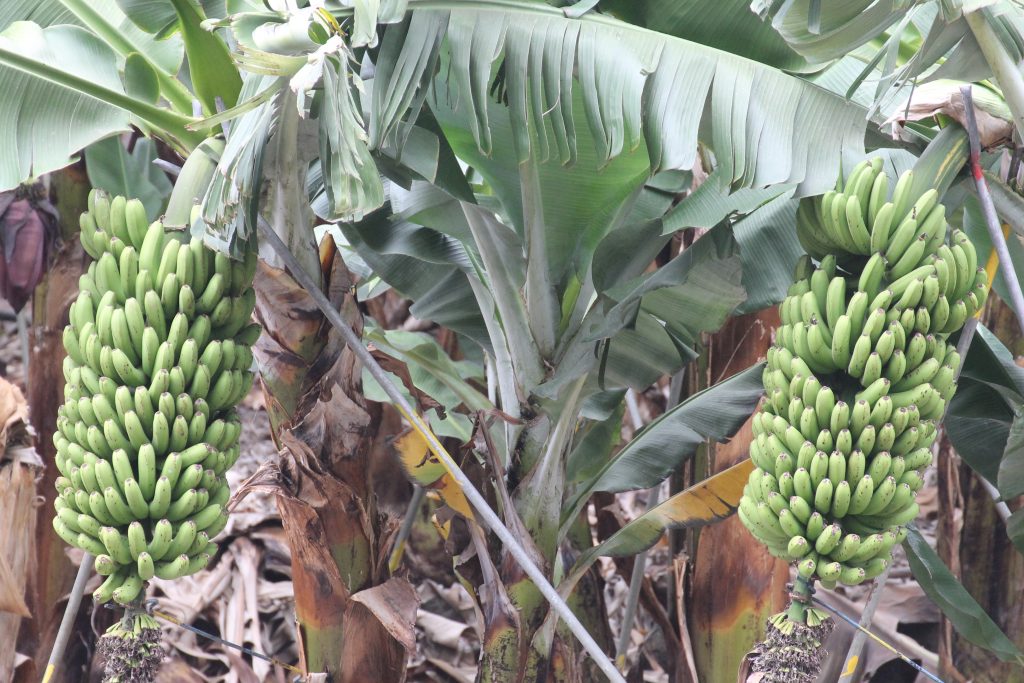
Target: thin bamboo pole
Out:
[70,612]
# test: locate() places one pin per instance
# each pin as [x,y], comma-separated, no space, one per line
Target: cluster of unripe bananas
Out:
[158,356]
[858,376]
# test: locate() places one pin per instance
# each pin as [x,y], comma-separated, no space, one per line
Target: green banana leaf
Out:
[113,168]
[431,370]
[63,91]
[594,446]
[984,408]
[998,382]
[654,453]
[657,450]
[823,31]
[710,203]
[643,327]
[33,111]
[1015,529]
[651,84]
[45,13]
[590,143]
[211,70]
[351,180]
[769,251]
[710,267]
[729,25]
[956,603]
[425,266]
[105,19]
[161,18]
[826,31]
[985,421]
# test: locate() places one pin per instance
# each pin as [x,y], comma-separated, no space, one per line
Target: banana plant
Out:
[539,285]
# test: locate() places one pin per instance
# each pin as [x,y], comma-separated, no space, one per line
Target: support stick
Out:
[68,621]
[866,617]
[995,230]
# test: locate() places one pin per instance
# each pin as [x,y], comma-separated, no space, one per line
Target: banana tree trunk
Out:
[54,572]
[980,552]
[355,623]
[736,584]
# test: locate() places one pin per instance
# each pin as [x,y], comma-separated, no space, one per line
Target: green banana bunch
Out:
[858,376]
[158,355]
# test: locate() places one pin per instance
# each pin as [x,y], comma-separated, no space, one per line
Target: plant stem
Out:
[70,612]
[636,581]
[797,612]
[526,359]
[504,380]
[541,303]
[22,319]
[1006,73]
[480,506]
[171,88]
[540,502]
[398,550]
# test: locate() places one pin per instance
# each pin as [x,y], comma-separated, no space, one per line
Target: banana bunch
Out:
[858,376]
[158,355]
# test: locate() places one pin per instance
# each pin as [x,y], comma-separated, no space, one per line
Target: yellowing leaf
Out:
[420,464]
[710,501]
[443,528]
[451,494]
[424,468]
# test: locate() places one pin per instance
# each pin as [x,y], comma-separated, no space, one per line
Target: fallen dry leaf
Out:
[462,674]
[441,630]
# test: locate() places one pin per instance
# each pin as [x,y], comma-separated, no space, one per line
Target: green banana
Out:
[128,590]
[105,592]
[173,569]
[160,543]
